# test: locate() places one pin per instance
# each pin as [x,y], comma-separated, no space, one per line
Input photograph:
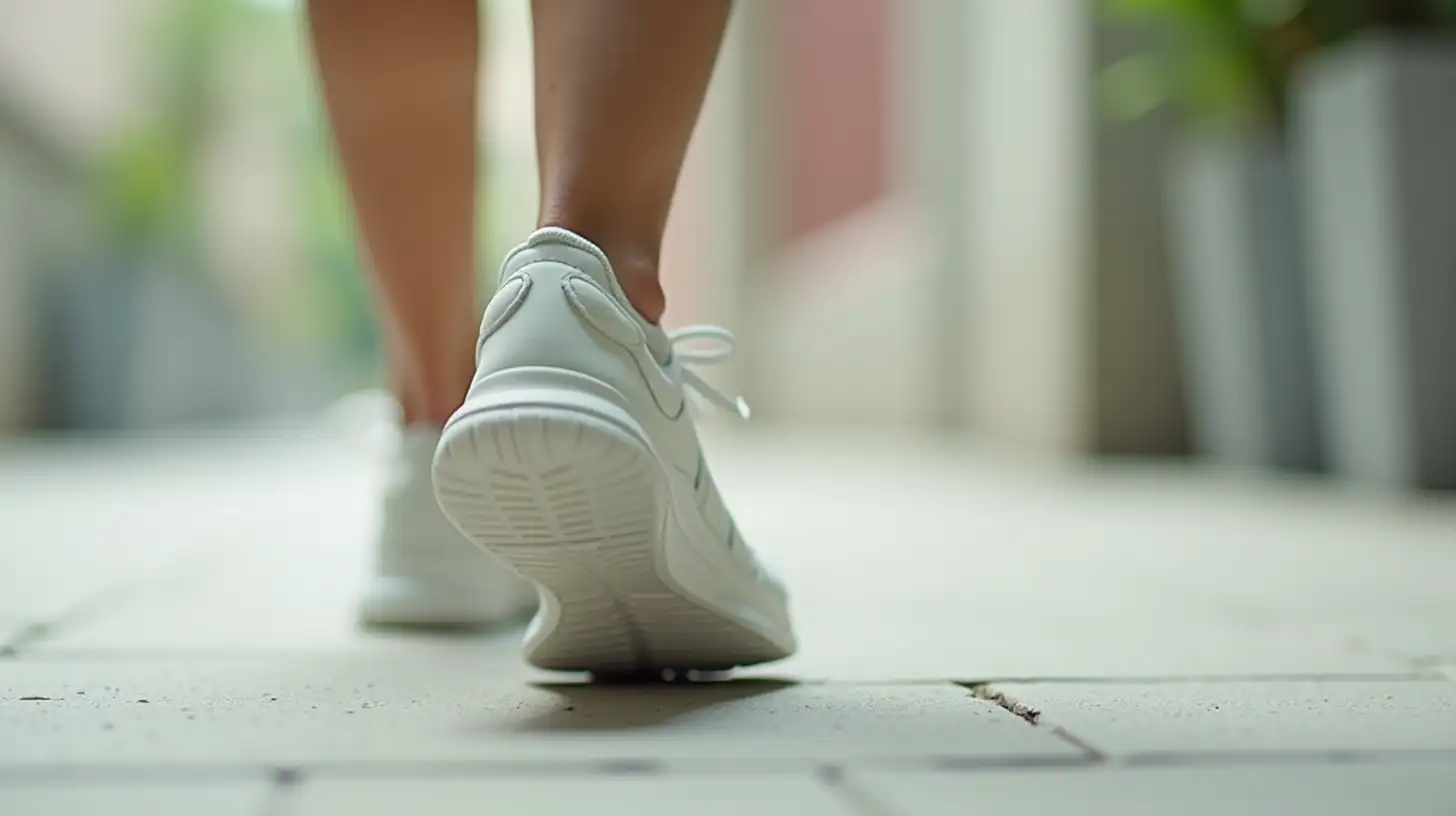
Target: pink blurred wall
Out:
[832,109]
[827,107]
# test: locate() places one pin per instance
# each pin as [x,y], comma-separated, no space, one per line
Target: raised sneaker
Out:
[426,573]
[574,458]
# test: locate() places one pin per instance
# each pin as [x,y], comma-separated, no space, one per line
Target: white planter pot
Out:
[1240,291]
[139,349]
[1376,126]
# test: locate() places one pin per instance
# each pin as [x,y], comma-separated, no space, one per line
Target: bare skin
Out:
[399,81]
[619,86]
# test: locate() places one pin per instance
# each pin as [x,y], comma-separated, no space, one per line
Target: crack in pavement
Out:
[985,691]
[1032,716]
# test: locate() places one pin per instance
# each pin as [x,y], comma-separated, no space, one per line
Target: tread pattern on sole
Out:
[577,506]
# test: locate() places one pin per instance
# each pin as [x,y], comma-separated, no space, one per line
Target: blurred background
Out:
[1172,228]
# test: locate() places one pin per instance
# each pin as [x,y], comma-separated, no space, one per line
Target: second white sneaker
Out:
[426,574]
[575,460]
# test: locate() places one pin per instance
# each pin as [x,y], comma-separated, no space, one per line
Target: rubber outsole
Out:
[580,506]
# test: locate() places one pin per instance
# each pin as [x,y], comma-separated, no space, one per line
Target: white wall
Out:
[68,61]
[964,300]
[1027,245]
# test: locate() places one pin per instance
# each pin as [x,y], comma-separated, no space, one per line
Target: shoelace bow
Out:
[721,349]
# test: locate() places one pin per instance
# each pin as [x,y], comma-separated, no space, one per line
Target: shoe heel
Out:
[545,457]
[558,484]
[548,471]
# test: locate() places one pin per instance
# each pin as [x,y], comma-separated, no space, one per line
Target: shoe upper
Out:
[559,305]
[419,545]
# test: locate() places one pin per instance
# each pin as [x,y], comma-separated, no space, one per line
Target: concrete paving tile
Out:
[78,520]
[298,591]
[944,570]
[1406,788]
[1314,560]
[922,627]
[718,795]
[987,641]
[1280,576]
[374,706]
[904,565]
[1400,627]
[292,582]
[133,798]
[11,628]
[1122,719]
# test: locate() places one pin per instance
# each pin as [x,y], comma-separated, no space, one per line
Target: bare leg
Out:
[399,80]
[565,432]
[619,84]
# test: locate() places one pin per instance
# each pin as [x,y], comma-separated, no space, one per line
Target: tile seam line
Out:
[1420,674]
[850,793]
[283,786]
[118,592]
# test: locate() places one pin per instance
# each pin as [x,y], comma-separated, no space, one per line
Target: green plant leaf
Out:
[138,184]
[1134,86]
[1211,57]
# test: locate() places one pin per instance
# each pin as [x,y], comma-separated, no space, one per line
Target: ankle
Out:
[428,411]
[640,284]
[426,418]
[633,254]
[428,396]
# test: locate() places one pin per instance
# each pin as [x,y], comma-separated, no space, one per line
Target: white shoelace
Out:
[719,352]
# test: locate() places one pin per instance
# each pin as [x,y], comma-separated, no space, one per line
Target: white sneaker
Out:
[575,460]
[427,574]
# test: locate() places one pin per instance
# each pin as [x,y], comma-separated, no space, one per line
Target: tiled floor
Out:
[979,636]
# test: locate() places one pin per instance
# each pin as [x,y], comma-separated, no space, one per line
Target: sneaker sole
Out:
[579,504]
